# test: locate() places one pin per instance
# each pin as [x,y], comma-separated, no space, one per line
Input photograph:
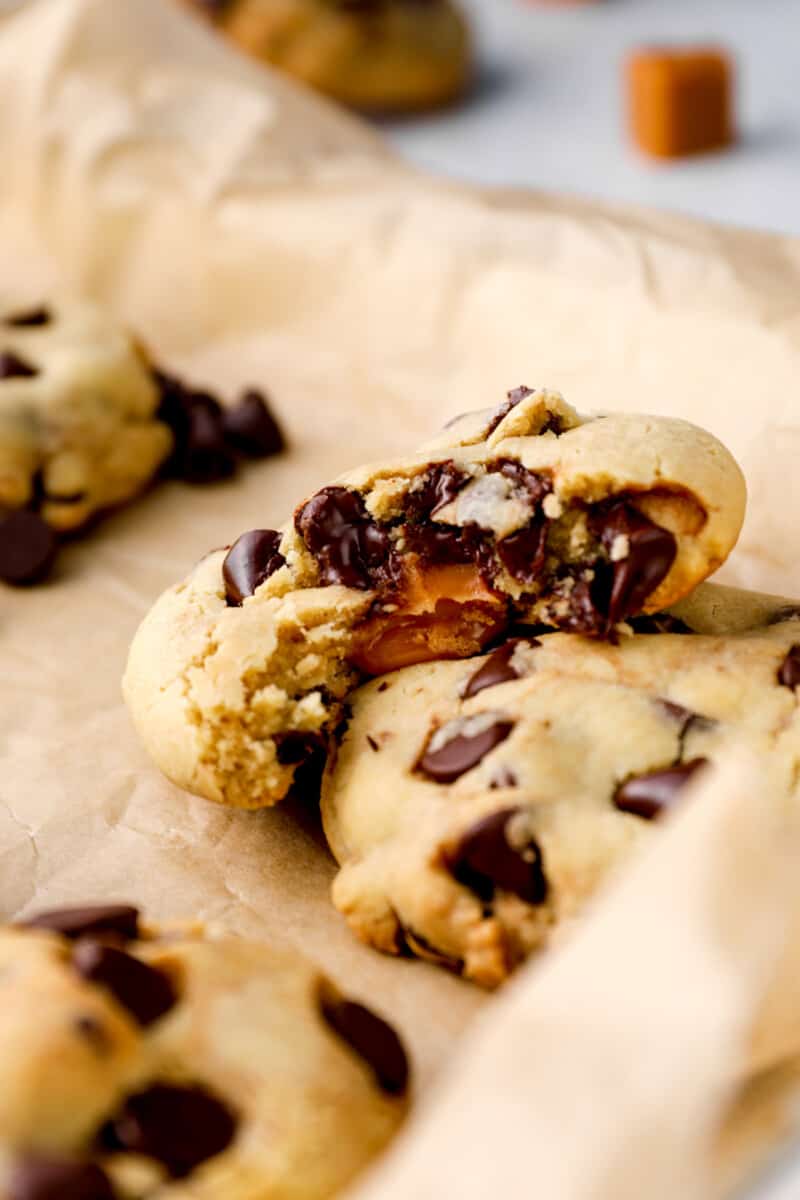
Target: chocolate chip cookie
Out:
[86,423]
[475,806]
[379,55]
[526,513]
[136,1063]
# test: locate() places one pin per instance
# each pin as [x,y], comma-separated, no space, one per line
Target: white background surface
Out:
[548,111]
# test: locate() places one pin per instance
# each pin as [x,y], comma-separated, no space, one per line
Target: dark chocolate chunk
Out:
[28,547]
[789,671]
[251,428]
[348,545]
[371,1038]
[201,453]
[251,559]
[651,553]
[651,795]
[498,668]
[29,318]
[373,745]
[436,544]
[39,1178]
[485,860]
[14,367]
[205,456]
[436,488]
[120,920]
[523,553]
[537,486]
[515,396]
[463,751]
[297,746]
[180,1127]
[144,991]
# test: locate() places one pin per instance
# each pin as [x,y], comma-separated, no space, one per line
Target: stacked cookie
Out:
[475,806]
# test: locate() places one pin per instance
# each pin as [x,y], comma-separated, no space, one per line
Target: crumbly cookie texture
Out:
[527,513]
[474,807]
[78,404]
[140,1064]
[399,55]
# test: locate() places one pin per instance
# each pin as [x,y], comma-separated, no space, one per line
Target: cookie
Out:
[136,1063]
[529,513]
[377,55]
[474,807]
[86,423]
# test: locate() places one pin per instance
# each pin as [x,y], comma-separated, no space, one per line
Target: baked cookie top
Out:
[371,54]
[139,1063]
[78,404]
[475,806]
[529,512]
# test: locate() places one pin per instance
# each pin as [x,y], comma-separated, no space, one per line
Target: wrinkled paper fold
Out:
[252,233]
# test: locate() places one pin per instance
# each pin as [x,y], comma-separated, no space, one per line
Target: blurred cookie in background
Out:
[375,55]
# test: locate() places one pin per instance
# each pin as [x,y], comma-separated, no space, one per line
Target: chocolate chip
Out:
[29,318]
[180,1127]
[296,746]
[497,669]
[143,990]
[444,544]
[373,745]
[436,488]
[455,749]
[14,367]
[250,561]
[91,921]
[28,547]
[650,554]
[371,1038]
[789,671]
[201,453]
[486,858]
[383,687]
[537,486]
[515,397]
[348,545]
[523,553]
[651,795]
[251,428]
[37,1178]
[205,456]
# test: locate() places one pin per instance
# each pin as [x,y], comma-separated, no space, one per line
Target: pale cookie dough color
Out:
[379,55]
[528,513]
[136,1064]
[78,403]
[474,807]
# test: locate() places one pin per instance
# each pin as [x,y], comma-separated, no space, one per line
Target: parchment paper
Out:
[253,234]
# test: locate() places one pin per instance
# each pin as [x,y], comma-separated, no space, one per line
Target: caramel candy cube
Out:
[680,100]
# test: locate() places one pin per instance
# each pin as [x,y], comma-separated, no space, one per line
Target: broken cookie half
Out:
[530,514]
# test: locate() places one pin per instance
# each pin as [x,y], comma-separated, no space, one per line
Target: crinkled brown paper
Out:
[253,234]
